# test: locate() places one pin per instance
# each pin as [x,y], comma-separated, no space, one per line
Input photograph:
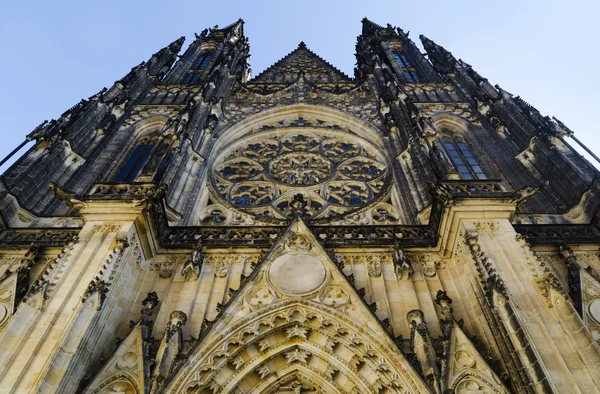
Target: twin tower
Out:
[193,229]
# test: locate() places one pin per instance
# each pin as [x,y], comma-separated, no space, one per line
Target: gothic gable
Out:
[467,371]
[301,62]
[124,371]
[296,324]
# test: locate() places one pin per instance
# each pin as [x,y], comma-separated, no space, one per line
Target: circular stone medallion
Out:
[297,273]
[594,308]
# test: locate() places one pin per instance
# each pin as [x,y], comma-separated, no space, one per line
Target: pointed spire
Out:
[302,45]
[162,60]
[176,45]
[443,61]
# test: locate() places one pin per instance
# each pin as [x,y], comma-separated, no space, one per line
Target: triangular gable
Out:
[467,371]
[124,372]
[297,314]
[301,62]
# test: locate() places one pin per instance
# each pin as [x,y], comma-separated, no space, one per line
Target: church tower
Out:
[193,229]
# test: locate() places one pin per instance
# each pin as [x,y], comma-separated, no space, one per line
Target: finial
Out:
[302,45]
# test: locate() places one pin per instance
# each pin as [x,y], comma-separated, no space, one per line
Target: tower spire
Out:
[443,61]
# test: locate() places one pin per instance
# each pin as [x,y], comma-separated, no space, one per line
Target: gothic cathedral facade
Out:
[193,229]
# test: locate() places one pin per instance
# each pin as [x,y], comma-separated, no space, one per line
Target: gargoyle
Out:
[526,192]
[69,198]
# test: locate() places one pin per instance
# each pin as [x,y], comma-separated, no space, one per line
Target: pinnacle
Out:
[175,46]
[366,20]
[302,45]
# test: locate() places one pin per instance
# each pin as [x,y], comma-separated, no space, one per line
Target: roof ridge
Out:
[301,46]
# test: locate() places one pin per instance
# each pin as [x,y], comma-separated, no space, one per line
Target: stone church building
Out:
[195,229]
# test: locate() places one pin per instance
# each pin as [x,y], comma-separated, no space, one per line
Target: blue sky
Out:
[56,53]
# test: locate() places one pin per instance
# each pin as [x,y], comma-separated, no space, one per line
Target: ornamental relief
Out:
[373,262]
[357,101]
[259,350]
[222,263]
[333,172]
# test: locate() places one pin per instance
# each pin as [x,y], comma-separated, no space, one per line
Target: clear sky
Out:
[54,53]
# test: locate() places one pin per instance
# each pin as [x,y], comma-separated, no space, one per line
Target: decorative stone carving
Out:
[296,387]
[333,296]
[297,355]
[402,266]
[464,359]
[263,371]
[298,243]
[237,362]
[120,387]
[490,226]
[296,332]
[193,265]
[221,267]
[373,262]
[127,361]
[259,296]
[332,169]
[374,265]
[263,345]
[4,313]
[106,228]
[425,262]
[471,386]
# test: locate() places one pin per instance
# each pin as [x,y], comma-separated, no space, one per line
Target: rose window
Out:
[333,172]
[300,168]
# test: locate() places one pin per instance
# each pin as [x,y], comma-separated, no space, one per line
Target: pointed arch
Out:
[330,115]
[468,381]
[453,144]
[261,343]
[143,151]
[121,383]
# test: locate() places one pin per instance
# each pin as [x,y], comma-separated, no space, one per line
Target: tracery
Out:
[335,173]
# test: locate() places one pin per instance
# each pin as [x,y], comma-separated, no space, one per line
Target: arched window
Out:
[463,160]
[143,160]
